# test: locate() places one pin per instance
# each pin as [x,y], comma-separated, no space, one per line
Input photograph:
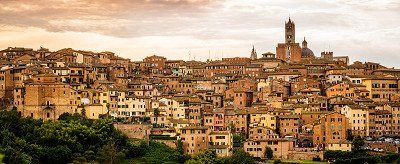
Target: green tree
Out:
[180,151]
[156,113]
[238,140]
[268,153]
[204,157]
[83,111]
[70,117]
[18,157]
[108,109]
[109,154]
[241,157]
[349,135]
[72,139]
[358,143]
[88,84]
[57,154]
[231,127]
[157,152]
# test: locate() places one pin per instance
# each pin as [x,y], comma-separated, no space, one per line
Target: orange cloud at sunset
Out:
[175,28]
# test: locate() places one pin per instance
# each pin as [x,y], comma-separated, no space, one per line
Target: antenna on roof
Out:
[209,53]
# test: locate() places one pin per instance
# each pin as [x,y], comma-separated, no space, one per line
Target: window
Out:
[375,85]
[376,96]
[220,137]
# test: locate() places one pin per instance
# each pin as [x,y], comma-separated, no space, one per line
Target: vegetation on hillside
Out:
[73,139]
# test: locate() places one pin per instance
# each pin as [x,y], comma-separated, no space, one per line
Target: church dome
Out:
[306,52]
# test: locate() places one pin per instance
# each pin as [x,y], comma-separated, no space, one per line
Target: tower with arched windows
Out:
[290,51]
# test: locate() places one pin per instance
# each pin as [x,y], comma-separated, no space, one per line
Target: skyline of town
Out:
[365,31]
[200,81]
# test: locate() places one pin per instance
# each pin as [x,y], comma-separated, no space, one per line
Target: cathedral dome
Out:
[305,51]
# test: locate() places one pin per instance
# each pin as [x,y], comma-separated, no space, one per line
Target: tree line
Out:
[76,139]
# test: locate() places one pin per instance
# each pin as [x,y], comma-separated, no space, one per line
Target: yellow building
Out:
[262,118]
[173,108]
[342,146]
[130,106]
[358,119]
[221,142]
[194,139]
[394,109]
[348,90]
[381,88]
[279,146]
[94,111]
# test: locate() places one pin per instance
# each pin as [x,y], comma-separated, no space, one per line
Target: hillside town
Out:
[297,103]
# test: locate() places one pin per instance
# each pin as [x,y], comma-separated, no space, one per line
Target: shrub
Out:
[316,159]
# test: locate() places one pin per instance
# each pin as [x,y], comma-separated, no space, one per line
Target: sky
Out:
[201,29]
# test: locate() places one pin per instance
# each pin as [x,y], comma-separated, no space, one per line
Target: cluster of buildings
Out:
[291,101]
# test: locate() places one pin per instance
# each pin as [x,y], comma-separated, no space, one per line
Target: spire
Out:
[304,44]
[253,54]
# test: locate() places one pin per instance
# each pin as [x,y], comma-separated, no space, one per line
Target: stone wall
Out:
[302,155]
[138,131]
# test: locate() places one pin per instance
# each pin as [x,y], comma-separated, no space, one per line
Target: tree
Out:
[269,154]
[18,157]
[204,157]
[349,135]
[108,109]
[358,143]
[88,84]
[157,152]
[242,157]
[231,127]
[83,111]
[180,151]
[156,114]
[57,154]
[110,154]
[238,140]
[70,117]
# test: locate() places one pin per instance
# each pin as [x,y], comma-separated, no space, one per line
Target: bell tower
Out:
[253,54]
[290,51]
[290,32]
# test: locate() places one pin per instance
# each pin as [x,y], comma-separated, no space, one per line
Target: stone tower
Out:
[290,51]
[253,54]
[290,32]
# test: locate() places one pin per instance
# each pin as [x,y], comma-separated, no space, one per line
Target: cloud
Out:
[116,18]
[174,28]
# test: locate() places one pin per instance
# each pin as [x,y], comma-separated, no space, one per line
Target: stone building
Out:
[330,128]
[194,138]
[47,98]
